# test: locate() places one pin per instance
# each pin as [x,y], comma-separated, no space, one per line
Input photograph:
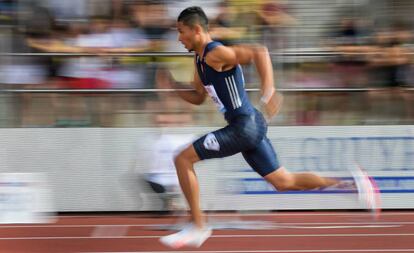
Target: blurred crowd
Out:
[113,26]
[367,52]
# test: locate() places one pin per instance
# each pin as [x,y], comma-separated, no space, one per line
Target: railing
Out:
[312,52]
[136,107]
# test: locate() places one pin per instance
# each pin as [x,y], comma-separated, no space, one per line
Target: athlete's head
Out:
[192,24]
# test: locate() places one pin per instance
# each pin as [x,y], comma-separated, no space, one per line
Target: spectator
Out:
[390,69]
[221,27]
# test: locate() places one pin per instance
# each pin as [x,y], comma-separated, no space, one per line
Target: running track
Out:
[296,232]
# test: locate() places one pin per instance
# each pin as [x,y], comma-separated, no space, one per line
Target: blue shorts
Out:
[245,134]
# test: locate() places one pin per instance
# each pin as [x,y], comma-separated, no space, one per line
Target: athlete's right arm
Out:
[196,96]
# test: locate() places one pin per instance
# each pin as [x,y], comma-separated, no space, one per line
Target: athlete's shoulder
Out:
[222,55]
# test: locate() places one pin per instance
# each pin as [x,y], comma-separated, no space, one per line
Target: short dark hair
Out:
[192,16]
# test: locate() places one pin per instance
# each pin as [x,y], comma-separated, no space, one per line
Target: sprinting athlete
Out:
[220,76]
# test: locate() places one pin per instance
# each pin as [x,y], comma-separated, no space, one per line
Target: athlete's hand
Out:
[164,79]
[272,106]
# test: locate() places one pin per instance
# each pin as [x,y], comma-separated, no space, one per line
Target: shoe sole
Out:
[185,242]
[368,191]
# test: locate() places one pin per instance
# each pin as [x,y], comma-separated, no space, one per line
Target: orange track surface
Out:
[297,232]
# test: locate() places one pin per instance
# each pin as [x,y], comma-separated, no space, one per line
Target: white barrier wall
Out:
[97,169]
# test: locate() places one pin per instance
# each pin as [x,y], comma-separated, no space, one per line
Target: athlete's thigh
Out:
[263,158]
[220,143]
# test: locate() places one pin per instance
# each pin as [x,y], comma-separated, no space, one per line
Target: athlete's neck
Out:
[201,47]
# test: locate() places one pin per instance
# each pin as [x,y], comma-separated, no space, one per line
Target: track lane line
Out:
[213,236]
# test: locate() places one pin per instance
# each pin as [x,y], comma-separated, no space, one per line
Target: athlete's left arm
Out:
[223,58]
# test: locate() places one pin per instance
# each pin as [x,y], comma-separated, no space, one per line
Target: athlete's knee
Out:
[179,159]
[187,156]
[281,179]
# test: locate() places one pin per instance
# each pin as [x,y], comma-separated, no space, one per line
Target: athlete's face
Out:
[187,36]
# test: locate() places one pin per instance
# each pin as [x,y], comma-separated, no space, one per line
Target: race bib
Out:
[212,93]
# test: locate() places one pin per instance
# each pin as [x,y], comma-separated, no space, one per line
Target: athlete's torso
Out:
[226,88]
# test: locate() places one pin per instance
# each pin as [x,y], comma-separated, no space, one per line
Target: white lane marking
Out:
[258,214]
[109,230]
[277,225]
[270,251]
[213,236]
[337,227]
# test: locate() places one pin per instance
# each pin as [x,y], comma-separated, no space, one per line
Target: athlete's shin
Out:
[283,180]
[310,181]
[189,185]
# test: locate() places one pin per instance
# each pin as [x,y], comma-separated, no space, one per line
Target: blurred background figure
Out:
[273,17]
[391,67]
[223,27]
[26,71]
[353,41]
[161,175]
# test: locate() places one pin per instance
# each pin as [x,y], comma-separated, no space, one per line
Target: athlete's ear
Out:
[198,29]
